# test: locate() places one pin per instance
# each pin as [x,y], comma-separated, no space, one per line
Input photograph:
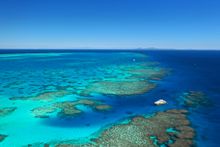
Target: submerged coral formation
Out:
[2,137]
[112,79]
[153,73]
[140,130]
[7,110]
[194,99]
[168,128]
[57,88]
[136,79]
[103,107]
[43,112]
[120,87]
[44,96]
[68,108]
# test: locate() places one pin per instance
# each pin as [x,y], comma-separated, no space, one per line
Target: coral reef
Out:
[148,73]
[2,137]
[120,87]
[114,79]
[168,128]
[194,99]
[44,96]
[127,80]
[139,130]
[68,108]
[102,107]
[43,112]
[7,110]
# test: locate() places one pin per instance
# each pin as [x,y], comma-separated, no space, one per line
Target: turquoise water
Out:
[47,79]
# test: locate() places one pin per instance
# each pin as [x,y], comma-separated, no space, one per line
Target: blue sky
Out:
[180,24]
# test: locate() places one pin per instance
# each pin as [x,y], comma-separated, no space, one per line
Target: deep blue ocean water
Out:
[190,70]
[196,70]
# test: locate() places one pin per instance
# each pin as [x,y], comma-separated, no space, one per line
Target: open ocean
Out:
[32,79]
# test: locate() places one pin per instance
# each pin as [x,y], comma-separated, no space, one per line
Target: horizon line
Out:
[153,48]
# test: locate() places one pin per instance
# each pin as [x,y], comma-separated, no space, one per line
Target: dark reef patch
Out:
[2,137]
[194,99]
[7,110]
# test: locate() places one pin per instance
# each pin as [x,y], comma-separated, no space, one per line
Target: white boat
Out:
[160,102]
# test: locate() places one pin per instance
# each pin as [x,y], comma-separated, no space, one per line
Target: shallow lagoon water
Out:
[25,76]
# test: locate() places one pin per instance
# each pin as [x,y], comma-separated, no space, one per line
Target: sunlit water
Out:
[26,75]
